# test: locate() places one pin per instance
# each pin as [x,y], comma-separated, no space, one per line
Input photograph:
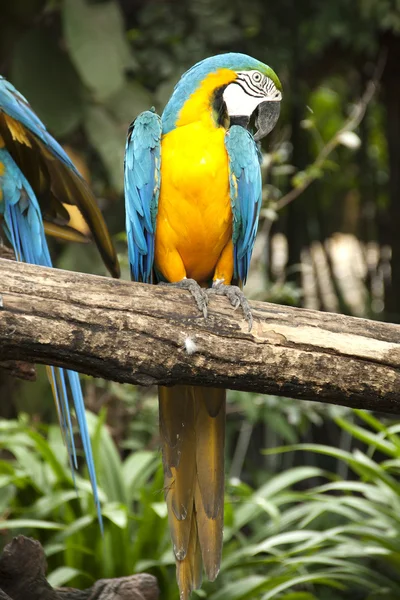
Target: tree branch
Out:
[138,333]
[14,368]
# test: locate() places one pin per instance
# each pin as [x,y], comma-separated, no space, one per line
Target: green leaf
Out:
[326,578]
[29,524]
[62,575]
[270,545]
[368,437]
[44,505]
[49,456]
[31,465]
[277,422]
[275,485]
[298,596]
[160,508]
[7,494]
[116,513]
[247,588]
[97,43]
[44,74]
[108,138]
[108,460]
[128,102]
[137,468]
[78,526]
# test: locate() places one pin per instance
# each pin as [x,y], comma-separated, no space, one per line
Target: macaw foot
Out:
[197,292]
[235,296]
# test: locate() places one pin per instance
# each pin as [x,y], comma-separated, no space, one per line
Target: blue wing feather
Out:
[245,190]
[51,173]
[22,222]
[14,104]
[142,187]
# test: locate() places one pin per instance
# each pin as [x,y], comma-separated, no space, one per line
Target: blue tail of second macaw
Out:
[22,222]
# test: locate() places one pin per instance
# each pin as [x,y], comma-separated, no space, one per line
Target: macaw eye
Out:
[256,77]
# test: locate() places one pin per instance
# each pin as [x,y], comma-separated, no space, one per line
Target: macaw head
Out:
[233,87]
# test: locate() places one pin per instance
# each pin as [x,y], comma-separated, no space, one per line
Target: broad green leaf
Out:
[298,596]
[32,466]
[97,44]
[316,509]
[160,508]
[7,494]
[278,422]
[29,524]
[270,544]
[276,484]
[62,575]
[44,505]
[108,138]
[44,74]
[247,588]
[107,460]
[57,547]
[326,578]
[128,102]
[49,456]
[78,526]
[368,437]
[116,513]
[137,468]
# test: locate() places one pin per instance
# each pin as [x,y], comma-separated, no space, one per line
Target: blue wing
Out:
[51,173]
[21,218]
[245,190]
[142,188]
[16,106]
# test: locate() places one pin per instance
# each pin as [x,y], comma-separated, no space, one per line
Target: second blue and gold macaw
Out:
[193,197]
[38,182]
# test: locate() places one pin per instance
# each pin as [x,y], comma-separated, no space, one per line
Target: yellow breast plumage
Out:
[194,221]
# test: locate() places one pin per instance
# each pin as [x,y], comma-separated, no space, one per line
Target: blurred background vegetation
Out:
[319,518]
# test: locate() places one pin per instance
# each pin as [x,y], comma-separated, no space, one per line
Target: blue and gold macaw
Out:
[193,198]
[37,182]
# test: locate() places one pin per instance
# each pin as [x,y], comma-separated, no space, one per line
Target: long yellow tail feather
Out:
[192,430]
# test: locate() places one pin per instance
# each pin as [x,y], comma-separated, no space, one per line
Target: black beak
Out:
[266,118]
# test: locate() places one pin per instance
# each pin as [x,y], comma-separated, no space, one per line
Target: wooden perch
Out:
[15,368]
[145,334]
[23,570]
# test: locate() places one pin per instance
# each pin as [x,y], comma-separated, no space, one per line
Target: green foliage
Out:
[305,533]
[39,496]
[86,63]
[97,44]
[45,75]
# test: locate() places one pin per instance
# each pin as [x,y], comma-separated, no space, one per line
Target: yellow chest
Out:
[194,213]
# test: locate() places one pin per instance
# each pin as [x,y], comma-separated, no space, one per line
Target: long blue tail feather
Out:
[64,418]
[23,226]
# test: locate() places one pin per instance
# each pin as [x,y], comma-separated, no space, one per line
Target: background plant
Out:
[290,538]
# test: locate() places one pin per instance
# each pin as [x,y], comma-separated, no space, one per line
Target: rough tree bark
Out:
[154,335]
[23,577]
[12,368]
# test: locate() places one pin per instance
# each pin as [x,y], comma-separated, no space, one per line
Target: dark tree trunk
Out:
[391,99]
[23,577]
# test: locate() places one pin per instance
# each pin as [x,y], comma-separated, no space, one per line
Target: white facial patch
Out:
[248,91]
[238,102]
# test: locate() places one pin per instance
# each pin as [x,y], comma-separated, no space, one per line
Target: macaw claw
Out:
[194,288]
[235,296]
